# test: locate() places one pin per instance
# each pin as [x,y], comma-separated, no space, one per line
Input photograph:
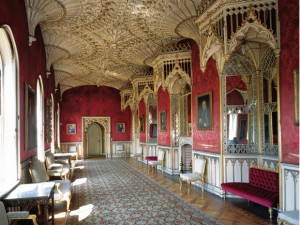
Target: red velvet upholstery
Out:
[264,179]
[263,187]
[151,158]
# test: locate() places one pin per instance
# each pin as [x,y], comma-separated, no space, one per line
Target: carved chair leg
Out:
[180,182]
[202,184]
[270,212]
[189,186]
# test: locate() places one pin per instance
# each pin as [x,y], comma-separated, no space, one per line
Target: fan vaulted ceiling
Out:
[107,42]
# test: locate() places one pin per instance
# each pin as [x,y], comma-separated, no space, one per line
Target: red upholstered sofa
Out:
[151,158]
[263,188]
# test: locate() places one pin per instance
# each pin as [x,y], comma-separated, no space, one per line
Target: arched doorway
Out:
[186,158]
[95,140]
[105,124]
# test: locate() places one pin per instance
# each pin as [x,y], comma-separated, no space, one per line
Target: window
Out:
[52,123]
[40,119]
[58,126]
[9,110]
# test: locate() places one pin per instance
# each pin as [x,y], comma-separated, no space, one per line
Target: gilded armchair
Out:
[63,188]
[196,175]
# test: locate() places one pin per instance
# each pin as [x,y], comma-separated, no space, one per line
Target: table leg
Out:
[52,208]
[46,213]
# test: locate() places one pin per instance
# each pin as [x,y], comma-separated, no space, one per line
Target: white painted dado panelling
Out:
[127,146]
[212,171]
[236,167]
[270,162]
[290,187]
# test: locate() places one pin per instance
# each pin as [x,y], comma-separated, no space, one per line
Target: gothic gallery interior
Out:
[194,79]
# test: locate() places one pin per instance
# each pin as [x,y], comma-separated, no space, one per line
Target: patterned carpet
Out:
[112,192]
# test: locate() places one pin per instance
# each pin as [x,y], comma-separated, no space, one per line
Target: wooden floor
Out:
[229,212]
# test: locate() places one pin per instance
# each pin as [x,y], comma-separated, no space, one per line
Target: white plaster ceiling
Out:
[106,42]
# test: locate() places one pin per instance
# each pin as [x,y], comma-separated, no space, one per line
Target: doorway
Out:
[95,140]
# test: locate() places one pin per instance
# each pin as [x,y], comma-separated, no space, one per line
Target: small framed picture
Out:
[120,127]
[162,120]
[142,122]
[190,127]
[204,111]
[296,96]
[71,128]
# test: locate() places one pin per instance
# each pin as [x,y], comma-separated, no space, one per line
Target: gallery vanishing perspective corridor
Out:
[119,191]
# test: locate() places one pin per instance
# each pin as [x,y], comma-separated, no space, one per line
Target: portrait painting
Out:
[120,127]
[142,128]
[190,127]
[71,128]
[296,96]
[204,111]
[163,122]
[30,118]
[243,129]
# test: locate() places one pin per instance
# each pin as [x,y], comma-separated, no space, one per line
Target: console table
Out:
[35,194]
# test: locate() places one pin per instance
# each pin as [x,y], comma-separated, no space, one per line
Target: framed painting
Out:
[120,127]
[243,129]
[296,96]
[71,128]
[190,127]
[162,121]
[204,111]
[30,118]
[48,120]
[142,123]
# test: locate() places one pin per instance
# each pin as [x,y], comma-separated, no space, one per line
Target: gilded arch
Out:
[177,79]
[103,121]
[214,47]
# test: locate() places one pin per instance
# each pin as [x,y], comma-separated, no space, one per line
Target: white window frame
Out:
[9,118]
[40,119]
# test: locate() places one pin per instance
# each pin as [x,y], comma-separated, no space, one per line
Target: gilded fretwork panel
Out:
[173,64]
[231,14]
[143,87]
[126,98]
[175,115]
[226,28]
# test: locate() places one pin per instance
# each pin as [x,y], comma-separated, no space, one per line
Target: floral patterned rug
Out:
[112,192]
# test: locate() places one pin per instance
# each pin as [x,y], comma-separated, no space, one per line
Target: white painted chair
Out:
[138,154]
[63,188]
[73,152]
[19,215]
[159,162]
[120,150]
[197,175]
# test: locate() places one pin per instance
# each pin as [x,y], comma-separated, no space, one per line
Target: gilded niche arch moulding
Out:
[106,123]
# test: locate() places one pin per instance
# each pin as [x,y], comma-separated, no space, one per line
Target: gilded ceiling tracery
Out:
[108,42]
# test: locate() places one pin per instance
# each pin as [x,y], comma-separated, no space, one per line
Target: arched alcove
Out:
[106,124]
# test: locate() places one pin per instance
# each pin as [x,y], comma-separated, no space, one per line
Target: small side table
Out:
[288,218]
[39,194]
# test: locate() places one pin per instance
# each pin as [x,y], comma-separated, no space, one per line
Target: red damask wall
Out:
[205,140]
[93,101]
[32,62]
[289,60]
[142,114]
[163,104]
